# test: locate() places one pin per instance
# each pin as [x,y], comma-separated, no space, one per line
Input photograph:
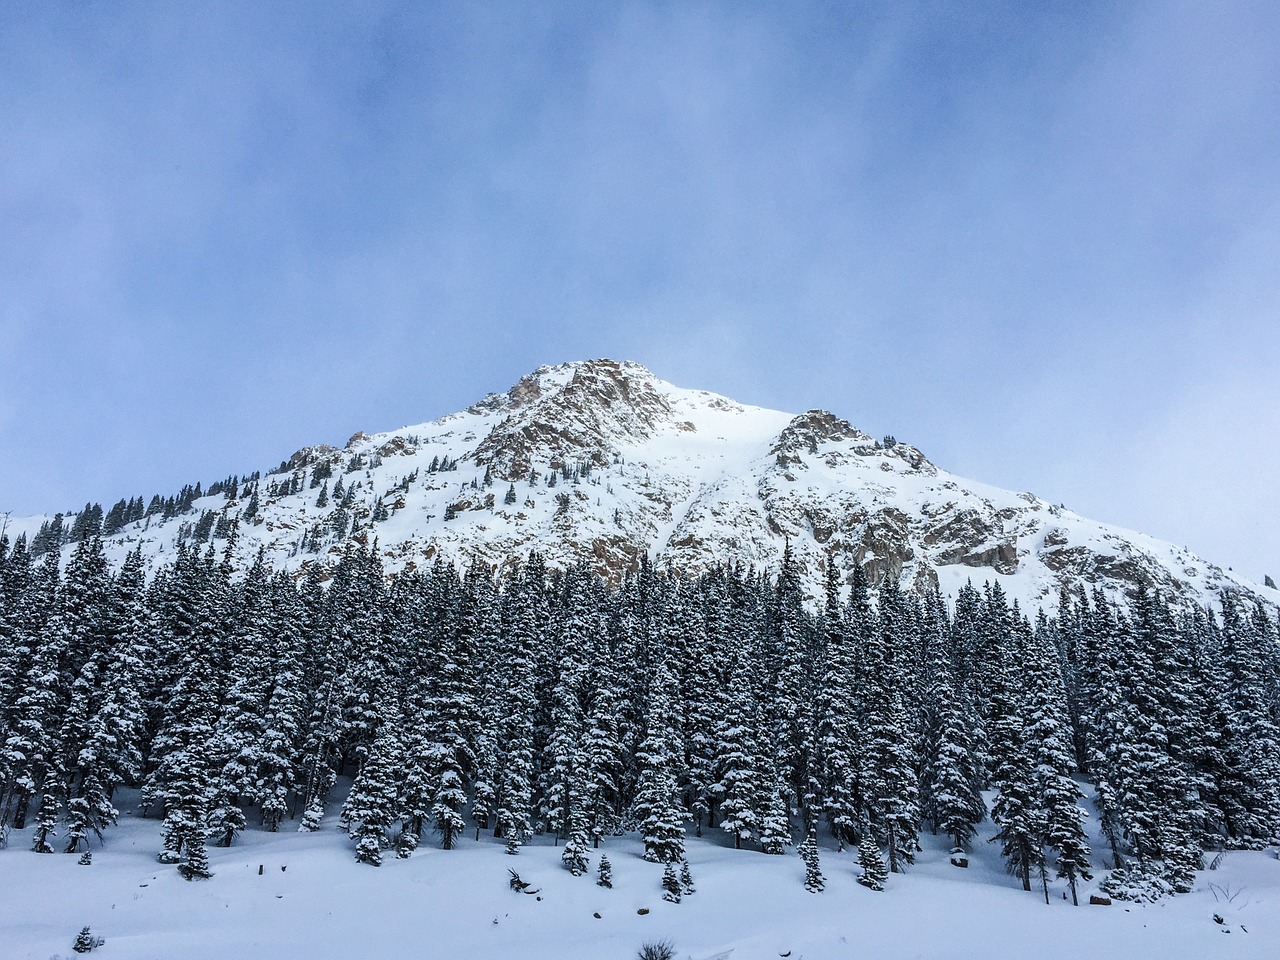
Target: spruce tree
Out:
[813,881]
[670,882]
[1047,731]
[657,808]
[372,806]
[871,862]
[892,792]
[837,709]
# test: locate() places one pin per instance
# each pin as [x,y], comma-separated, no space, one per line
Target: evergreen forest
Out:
[547,703]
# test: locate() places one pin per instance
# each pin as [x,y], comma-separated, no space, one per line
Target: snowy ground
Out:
[457,904]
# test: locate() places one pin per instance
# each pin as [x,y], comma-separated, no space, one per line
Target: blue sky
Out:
[1038,241]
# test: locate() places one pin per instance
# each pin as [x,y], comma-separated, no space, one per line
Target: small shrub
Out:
[86,942]
[657,950]
[671,884]
[605,875]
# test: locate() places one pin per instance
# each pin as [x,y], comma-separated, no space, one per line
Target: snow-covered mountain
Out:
[601,459]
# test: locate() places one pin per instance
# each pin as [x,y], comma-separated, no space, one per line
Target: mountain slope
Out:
[690,478]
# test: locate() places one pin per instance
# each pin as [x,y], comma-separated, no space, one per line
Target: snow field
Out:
[444,904]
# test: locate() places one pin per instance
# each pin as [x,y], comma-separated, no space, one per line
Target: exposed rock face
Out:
[606,462]
[602,405]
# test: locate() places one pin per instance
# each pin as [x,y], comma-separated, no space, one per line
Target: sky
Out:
[1038,241]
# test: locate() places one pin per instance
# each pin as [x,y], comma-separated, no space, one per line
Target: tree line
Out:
[545,702]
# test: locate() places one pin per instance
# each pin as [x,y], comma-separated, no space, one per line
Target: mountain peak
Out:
[602,460]
[580,411]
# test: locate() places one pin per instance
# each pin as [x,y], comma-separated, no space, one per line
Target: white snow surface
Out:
[691,479]
[313,900]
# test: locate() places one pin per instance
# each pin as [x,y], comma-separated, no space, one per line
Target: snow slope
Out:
[440,904]
[688,478]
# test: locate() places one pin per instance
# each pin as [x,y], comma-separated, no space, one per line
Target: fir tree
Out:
[371,807]
[657,808]
[813,881]
[871,862]
[837,708]
[1047,731]
[670,881]
[687,886]
[892,793]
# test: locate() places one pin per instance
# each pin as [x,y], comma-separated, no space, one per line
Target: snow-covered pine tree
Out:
[1251,663]
[789,650]
[950,782]
[870,861]
[671,883]
[357,608]
[602,753]
[1047,732]
[372,806]
[318,746]
[106,710]
[739,752]
[813,881]
[241,724]
[889,774]
[515,768]
[181,782]
[836,713]
[451,724]
[1016,810]
[657,808]
[278,749]
[775,826]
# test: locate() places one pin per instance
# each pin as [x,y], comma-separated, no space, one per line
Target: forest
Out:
[546,703]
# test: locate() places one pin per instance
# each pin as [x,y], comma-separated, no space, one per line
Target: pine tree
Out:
[1046,729]
[950,782]
[892,793]
[739,752]
[574,856]
[775,829]
[670,882]
[871,862]
[1016,809]
[371,807]
[657,808]
[813,881]
[277,751]
[687,886]
[837,707]
[604,872]
[182,781]
[106,719]
[515,763]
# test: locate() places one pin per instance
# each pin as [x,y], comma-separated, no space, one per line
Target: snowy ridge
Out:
[687,477]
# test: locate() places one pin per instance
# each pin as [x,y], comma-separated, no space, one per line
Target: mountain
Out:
[604,460]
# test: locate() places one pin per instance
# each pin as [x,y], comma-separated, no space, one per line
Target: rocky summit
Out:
[601,460]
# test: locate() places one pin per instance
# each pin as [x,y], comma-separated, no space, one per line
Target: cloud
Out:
[1027,239]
